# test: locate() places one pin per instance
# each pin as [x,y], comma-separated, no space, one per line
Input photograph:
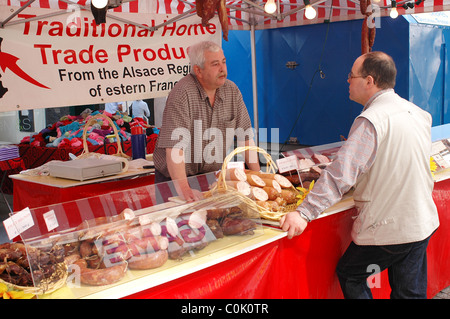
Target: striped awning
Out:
[243,13]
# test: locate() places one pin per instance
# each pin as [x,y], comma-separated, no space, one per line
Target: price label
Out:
[287,164]
[50,220]
[18,223]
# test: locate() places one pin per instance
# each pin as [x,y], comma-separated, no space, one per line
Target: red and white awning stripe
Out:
[132,6]
[173,6]
[291,11]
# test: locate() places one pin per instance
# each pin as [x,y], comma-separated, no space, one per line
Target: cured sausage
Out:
[237,226]
[289,196]
[139,246]
[206,10]
[372,32]
[367,34]
[255,180]
[280,179]
[364,37]
[69,260]
[271,183]
[149,261]
[100,277]
[241,186]
[235,174]
[223,18]
[217,213]
[272,193]
[215,228]
[283,181]
[259,194]
[363,6]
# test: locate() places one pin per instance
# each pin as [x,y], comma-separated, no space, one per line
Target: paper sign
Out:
[287,164]
[18,223]
[50,220]
[72,61]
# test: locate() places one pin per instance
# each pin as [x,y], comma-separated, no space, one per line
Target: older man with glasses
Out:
[387,159]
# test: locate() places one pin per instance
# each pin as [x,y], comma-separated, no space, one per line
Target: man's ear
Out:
[197,71]
[370,80]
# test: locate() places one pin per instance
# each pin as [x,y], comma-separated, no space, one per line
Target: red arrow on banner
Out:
[10,61]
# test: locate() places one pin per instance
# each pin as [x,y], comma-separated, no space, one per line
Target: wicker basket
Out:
[55,281]
[271,167]
[91,122]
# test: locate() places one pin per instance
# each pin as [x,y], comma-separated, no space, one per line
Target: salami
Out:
[223,18]
[259,194]
[242,187]
[148,261]
[363,6]
[280,179]
[364,37]
[255,180]
[272,184]
[283,181]
[289,196]
[272,193]
[235,174]
[206,10]
[367,33]
[372,32]
[100,277]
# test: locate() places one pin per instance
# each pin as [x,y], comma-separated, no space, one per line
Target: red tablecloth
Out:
[9,167]
[304,267]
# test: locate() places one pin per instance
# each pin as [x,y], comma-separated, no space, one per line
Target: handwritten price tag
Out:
[287,164]
[50,220]
[18,223]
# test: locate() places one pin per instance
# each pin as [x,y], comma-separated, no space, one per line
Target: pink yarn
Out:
[76,142]
[96,137]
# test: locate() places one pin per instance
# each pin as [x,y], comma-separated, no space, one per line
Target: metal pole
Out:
[254,83]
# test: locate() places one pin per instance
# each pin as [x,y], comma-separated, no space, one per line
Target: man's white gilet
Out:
[394,198]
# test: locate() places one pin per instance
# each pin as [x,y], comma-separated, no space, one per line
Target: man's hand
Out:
[177,171]
[186,192]
[293,223]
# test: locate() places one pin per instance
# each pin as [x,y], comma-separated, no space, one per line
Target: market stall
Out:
[264,265]
[252,260]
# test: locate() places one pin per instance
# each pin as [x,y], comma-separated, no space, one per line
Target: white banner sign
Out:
[69,60]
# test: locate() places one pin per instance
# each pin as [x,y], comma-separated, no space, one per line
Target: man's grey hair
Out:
[196,53]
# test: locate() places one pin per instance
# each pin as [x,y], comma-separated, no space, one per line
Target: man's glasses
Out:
[351,76]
